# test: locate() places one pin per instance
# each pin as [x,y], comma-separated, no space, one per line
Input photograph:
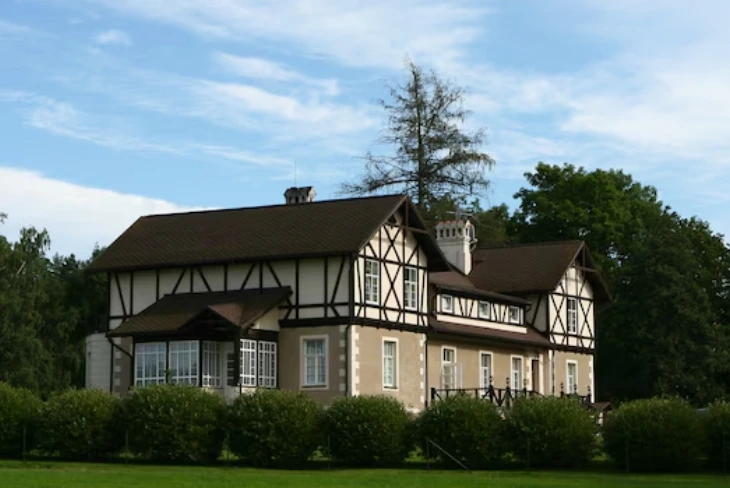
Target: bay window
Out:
[184,367]
[212,364]
[150,363]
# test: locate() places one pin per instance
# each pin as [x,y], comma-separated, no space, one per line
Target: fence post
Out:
[25,440]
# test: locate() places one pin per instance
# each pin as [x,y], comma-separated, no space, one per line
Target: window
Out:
[184,356]
[267,364]
[248,362]
[315,361]
[390,364]
[514,315]
[447,303]
[572,377]
[212,364]
[485,369]
[372,281]
[517,370]
[485,310]
[149,363]
[448,368]
[572,316]
[410,279]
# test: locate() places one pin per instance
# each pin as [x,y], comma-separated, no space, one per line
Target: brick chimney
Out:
[455,238]
[301,194]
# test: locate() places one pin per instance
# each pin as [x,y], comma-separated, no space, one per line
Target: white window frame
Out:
[392,383]
[509,314]
[316,385]
[372,281]
[267,360]
[517,383]
[410,288]
[181,351]
[452,368]
[485,372]
[572,315]
[150,352]
[571,388]
[211,367]
[249,363]
[485,316]
[450,300]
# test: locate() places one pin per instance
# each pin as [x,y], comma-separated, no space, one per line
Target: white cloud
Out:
[75,216]
[113,37]
[11,29]
[262,69]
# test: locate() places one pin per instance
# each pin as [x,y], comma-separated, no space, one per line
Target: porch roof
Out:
[173,313]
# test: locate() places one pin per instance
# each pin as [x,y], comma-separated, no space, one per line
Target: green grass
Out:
[61,475]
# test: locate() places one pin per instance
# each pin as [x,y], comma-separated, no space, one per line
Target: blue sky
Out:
[112,109]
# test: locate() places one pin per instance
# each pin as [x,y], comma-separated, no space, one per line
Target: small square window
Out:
[447,303]
[514,315]
[485,310]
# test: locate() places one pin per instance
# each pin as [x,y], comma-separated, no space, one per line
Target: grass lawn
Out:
[61,475]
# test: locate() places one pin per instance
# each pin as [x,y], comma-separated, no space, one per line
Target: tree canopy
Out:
[434,155]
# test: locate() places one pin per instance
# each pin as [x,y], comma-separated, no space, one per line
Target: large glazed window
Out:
[184,367]
[212,364]
[149,363]
[267,364]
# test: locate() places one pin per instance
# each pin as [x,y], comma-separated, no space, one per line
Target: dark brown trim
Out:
[296,286]
[131,293]
[326,291]
[157,284]
[248,275]
[261,275]
[225,277]
[177,283]
[202,276]
[350,286]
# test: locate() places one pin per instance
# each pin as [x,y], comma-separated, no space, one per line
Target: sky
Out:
[114,109]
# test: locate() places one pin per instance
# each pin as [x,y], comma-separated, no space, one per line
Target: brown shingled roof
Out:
[173,312]
[529,268]
[460,283]
[271,232]
[531,337]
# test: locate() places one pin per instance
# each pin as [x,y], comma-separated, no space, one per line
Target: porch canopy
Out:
[216,315]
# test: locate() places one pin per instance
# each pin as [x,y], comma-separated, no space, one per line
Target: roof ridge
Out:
[530,244]
[272,205]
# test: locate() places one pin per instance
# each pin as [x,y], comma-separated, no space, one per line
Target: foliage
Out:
[274,427]
[434,155]
[716,422]
[657,434]
[368,430]
[80,424]
[175,423]
[468,428]
[669,276]
[19,409]
[551,432]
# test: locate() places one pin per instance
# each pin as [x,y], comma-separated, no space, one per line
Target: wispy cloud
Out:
[10,29]
[262,69]
[113,37]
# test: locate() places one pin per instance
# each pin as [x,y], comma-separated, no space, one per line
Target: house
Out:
[340,297]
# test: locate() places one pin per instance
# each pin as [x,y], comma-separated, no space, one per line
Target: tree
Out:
[434,154]
[667,330]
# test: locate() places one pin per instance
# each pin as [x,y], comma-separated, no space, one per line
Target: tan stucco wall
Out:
[291,361]
[585,370]
[410,364]
[468,355]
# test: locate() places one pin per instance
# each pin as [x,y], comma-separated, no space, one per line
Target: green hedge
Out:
[468,428]
[716,421]
[19,409]
[551,432]
[654,435]
[368,430]
[274,428]
[173,423]
[80,425]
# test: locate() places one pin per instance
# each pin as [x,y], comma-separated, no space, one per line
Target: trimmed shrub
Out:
[368,430]
[717,428]
[79,424]
[468,428]
[551,432]
[274,427]
[175,423]
[19,409]
[656,434]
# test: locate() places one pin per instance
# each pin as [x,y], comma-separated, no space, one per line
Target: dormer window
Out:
[485,310]
[514,315]
[447,304]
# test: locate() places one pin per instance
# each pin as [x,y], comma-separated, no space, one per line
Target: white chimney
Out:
[303,194]
[455,238]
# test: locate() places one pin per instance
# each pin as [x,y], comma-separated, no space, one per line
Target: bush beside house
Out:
[19,414]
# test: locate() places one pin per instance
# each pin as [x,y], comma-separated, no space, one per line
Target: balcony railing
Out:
[501,397]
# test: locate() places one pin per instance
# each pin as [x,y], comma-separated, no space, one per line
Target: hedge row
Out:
[285,429]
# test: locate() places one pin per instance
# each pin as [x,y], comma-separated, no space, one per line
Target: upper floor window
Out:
[572,377]
[485,310]
[572,316]
[514,315]
[372,281]
[315,361]
[410,281]
[447,303]
[390,364]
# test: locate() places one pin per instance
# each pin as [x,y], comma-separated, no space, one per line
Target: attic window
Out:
[447,303]
[392,220]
